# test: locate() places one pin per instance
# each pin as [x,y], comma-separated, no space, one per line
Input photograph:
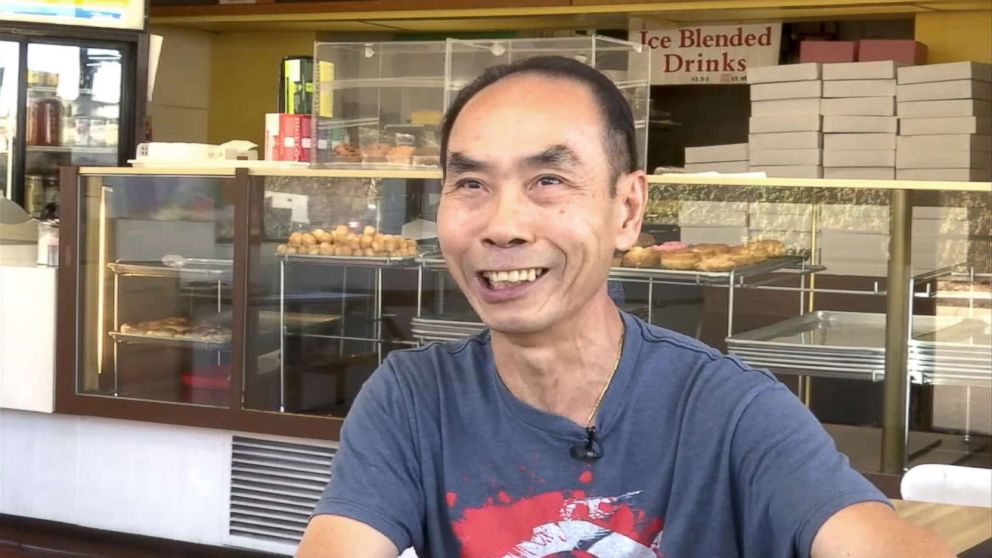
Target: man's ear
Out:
[632,198]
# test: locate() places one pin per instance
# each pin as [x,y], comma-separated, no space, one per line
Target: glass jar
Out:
[34,193]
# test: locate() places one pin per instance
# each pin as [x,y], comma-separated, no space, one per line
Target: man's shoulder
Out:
[680,353]
[436,359]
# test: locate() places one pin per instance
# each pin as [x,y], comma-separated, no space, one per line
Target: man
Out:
[570,428]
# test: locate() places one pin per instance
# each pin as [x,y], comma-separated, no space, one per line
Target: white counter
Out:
[27,336]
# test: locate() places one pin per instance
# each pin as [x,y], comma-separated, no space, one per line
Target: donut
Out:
[346,153]
[640,257]
[683,259]
[706,250]
[769,246]
[671,246]
[716,263]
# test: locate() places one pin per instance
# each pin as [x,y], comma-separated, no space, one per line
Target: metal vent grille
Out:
[274,487]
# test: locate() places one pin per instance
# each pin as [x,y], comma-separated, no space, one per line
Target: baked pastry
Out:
[679,259]
[708,250]
[640,257]
[296,239]
[743,258]
[671,246]
[346,153]
[721,262]
[400,154]
[374,152]
[645,240]
[769,246]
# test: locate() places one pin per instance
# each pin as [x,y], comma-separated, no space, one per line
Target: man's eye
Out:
[469,184]
[548,181]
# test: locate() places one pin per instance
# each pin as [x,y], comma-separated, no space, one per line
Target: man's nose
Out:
[506,223]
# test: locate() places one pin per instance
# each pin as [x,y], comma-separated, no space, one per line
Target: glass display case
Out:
[378,104]
[335,282]
[261,301]
[626,64]
[155,262]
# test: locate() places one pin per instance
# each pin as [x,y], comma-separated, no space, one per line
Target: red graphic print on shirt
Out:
[559,524]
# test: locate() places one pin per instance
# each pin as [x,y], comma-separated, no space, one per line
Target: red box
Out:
[288,137]
[827,52]
[905,50]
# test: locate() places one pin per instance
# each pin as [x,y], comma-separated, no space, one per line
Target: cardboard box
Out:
[859,106]
[879,69]
[950,71]
[864,173]
[288,137]
[828,51]
[789,123]
[942,159]
[860,124]
[711,214]
[785,140]
[785,72]
[963,175]
[786,90]
[959,89]
[716,153]
[946,125]
[789,171]
[786,106]
[946,142]
[841,142]
[899,50]
[933,109]
[860,158]
[724,166]
[765,157]
[859,88]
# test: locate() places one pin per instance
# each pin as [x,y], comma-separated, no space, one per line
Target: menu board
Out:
[121,14]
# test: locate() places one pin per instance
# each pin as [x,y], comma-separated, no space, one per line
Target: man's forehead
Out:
[533,93]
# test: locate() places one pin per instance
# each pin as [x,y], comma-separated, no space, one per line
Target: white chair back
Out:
[948,484]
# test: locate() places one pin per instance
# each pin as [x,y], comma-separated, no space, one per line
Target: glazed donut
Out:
[640,257]
[716,263]
[684,260]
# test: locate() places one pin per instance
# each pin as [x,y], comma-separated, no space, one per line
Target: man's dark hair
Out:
[619,141]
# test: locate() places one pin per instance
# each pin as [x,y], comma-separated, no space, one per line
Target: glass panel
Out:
[334,287]
[73,110]
[156,277]
[379,104]
[8,113]
[952,355]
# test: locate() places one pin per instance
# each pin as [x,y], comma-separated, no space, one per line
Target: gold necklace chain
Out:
[606,386]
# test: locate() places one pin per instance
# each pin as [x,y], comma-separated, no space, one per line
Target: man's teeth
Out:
[496,278]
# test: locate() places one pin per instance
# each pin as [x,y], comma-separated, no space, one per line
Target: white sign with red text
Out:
[719,54]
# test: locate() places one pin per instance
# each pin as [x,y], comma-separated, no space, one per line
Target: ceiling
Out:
[541,15]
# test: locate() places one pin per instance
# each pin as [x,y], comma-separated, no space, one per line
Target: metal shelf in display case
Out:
[178,342]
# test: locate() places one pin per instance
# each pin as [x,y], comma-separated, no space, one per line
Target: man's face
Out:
[526,223]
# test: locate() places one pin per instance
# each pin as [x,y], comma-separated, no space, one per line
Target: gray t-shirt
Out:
[703,456]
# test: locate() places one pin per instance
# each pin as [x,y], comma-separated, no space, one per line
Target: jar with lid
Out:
[44,122]
[34,193]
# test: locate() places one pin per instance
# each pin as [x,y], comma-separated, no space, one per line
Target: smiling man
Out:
[570,428]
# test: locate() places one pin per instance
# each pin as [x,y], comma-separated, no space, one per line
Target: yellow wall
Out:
[244,81]
[953,37]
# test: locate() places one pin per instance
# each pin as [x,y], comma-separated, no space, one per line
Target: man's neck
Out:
[563,370]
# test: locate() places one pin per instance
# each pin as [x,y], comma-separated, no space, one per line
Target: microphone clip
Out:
[590,449]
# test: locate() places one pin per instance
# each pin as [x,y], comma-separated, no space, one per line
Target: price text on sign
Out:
[712,54]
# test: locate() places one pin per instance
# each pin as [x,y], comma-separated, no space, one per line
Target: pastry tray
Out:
[353,261]
[761,268]
[797,262]
[158,269]
[143,339]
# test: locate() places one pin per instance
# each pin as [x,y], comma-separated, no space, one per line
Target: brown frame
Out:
[236,418]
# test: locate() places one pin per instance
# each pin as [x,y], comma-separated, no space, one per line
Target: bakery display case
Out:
[155,287]
[261,300]
[627,64]
[378,104]
[335,282]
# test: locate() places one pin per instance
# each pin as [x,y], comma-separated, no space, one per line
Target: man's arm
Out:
[334,536]
[873,530]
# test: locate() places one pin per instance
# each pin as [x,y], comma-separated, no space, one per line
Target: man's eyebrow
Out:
[459,163]
[557,156]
